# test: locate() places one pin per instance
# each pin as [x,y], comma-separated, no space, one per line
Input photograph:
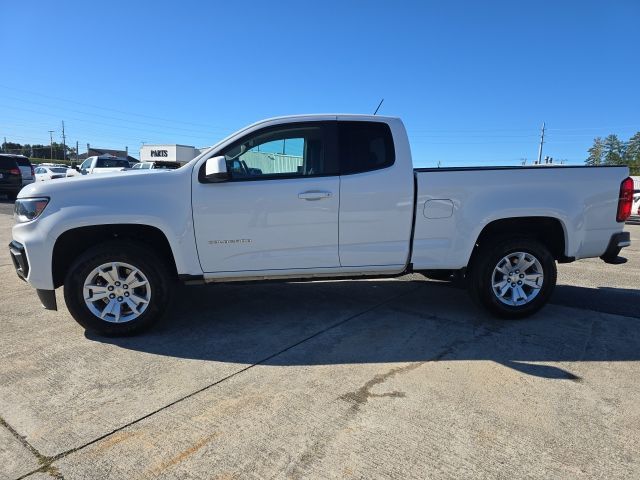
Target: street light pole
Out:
[51,143]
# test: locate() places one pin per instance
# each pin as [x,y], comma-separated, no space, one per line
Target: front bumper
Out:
[618,241]
[19,259]
[21,264]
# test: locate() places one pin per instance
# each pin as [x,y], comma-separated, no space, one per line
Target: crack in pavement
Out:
[44,461]
[47,462]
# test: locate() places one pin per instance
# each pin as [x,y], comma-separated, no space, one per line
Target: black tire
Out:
[486,260]
[154,269]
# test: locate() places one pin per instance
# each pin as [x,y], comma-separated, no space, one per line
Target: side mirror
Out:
[215,170]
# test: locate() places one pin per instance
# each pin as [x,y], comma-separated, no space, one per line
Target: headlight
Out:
[27,209]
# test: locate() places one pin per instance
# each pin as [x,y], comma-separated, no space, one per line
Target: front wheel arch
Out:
[74,242]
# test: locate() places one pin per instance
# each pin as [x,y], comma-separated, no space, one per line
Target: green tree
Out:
[632,154]
[613,150]
[596,152]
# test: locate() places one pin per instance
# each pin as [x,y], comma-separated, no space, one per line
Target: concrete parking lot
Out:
[400,378]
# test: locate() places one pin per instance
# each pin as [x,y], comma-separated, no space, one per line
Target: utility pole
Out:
[51,142]
[64,143]
[541,143]
[77,151]
[4,145]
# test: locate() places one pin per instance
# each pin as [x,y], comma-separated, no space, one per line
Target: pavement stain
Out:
[115,439]
[362,395]
[180,457]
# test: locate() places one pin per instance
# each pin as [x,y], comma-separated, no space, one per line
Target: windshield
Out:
[58,169]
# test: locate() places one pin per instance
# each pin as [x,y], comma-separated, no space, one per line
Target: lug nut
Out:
[110,288]
[513,284]
[117,284]
[126,294]
[120,299]
[522,275]
[112,296]
[125,286]
[519,283]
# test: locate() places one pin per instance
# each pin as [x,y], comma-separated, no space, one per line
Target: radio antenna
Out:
[378,106]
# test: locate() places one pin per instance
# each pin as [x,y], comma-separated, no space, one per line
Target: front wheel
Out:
[513,278]
[117,288]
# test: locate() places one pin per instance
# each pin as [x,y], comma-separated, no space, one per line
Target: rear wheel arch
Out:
[549,231]
[74,242]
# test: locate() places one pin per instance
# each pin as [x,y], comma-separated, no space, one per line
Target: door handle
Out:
[314,195]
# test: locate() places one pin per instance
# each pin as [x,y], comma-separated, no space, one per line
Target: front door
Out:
[279,210]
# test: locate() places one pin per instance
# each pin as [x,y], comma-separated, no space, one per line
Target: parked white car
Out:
[103,164]
[43,173]
[318,196]
[635,209]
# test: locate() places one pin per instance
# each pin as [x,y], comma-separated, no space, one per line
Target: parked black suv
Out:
[10,176]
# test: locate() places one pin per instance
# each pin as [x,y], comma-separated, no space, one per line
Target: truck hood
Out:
[93,184]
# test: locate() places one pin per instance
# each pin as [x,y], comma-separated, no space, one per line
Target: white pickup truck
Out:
[320,196]
[103,164]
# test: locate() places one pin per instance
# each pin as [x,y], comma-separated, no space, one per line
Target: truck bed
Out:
[455,204]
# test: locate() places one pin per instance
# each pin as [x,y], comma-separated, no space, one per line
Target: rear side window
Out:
[7,163]
[364,146]
[23,162]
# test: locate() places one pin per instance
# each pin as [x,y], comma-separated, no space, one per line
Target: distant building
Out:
[168,153]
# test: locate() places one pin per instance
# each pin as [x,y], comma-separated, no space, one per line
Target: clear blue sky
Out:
[473,81]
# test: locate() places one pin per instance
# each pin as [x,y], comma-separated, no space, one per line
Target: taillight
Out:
[14,171]
[626,200]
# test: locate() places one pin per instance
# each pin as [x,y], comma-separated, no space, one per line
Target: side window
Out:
[294,150]
[86,164]
[364,146]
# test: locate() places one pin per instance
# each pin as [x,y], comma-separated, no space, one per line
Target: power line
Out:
[106,124]
[108,108]
[109,117]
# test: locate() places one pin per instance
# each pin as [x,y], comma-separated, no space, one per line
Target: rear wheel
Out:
[513,278]
[117,288]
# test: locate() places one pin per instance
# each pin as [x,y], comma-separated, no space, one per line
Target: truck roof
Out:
[318,116]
